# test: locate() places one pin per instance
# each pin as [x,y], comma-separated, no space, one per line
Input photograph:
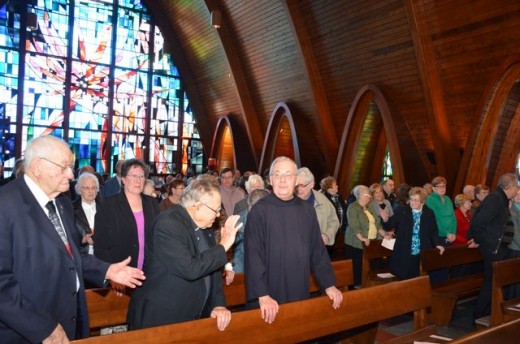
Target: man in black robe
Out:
[283,245]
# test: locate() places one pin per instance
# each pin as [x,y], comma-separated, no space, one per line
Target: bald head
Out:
[49,164]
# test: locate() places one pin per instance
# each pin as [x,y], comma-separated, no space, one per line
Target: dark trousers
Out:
[356,254]
[483,306]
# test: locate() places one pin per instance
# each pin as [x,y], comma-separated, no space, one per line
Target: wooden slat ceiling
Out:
[355,43]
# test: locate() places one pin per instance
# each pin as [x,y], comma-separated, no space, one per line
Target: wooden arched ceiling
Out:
[495,144]
[432,60]
[281,138]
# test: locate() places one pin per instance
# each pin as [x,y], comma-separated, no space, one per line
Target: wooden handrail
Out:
[295,322]
[107,309]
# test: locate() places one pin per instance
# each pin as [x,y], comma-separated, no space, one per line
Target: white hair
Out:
[82,177]
[305,175]
[254,179]
[280,159]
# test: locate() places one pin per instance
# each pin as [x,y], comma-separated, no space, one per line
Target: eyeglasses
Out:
[87,188]
[216,211]
[440,186]
[136,176]
[63,168]
[303,185]
[286,175]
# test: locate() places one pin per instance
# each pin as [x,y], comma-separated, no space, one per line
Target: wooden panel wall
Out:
[356,43]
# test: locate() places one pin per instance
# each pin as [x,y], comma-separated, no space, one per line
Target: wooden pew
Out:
[106,309]
[446,294]
[504,334]
[297,321]
[236,292]
[505,273]
[375,251]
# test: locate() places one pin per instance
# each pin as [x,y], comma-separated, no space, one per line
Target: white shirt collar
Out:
[39,194]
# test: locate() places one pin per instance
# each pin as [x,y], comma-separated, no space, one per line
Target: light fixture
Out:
[216,19]
[32,21]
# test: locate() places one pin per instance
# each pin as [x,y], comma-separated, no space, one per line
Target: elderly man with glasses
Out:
[42,296]
[184,264]
[327,218]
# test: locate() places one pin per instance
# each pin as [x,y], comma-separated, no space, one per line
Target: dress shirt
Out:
[42,200]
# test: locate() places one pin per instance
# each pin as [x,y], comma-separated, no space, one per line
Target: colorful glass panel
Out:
[51,35]
[9,28]
[387,166]
[133,40]
[67,91]
[86,146]
[92,39]
[134,4]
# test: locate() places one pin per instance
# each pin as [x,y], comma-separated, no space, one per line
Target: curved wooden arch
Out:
[221,148]
[479,149]
[281,111]
[349,145]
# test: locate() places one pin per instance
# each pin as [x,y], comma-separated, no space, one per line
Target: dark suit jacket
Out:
[174,290]
[82,224]
[403,223]
[489,222]
[115,236]
[111,187]
[38,280]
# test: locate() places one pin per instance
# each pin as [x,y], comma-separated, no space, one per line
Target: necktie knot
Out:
[51,207]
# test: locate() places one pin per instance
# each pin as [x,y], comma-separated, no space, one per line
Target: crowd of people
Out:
[176,241]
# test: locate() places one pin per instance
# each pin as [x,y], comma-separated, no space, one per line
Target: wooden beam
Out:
[326,132]
[445,150]
[228,40]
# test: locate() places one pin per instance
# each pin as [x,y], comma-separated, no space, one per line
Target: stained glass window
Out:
[97,74]
[387,166]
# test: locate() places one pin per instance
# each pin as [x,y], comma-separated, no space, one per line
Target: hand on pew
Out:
[268,308]
[124,274]
[223,316]
[58,336]
[229,276]
[472,243]
[441,249]
[335,295]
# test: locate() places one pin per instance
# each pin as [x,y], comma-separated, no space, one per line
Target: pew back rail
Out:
[295,322]
[505,273]
[445,294]
[106,309]
[375,252]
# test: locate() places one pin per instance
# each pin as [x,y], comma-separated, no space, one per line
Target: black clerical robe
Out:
[282,246]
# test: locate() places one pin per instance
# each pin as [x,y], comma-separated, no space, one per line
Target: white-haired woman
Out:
[363,226]
[85,208]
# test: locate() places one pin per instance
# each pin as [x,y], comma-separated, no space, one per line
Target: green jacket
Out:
[358,223]
[444,214]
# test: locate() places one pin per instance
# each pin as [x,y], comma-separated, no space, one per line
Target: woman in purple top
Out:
[125,219]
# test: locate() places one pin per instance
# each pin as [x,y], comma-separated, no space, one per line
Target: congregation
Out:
[186,233]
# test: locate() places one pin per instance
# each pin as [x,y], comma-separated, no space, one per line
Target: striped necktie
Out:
[53,216]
